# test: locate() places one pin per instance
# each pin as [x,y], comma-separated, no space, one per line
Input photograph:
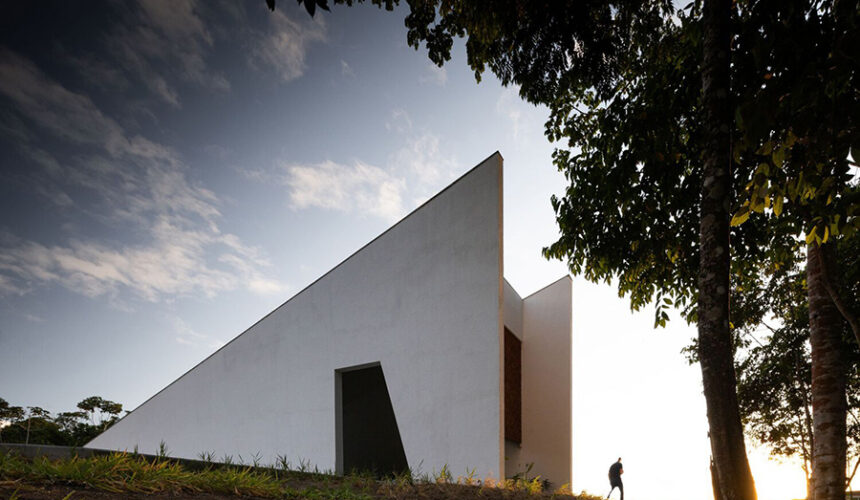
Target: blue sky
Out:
[172,171]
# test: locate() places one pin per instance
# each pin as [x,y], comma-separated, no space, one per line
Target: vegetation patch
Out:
[125,475]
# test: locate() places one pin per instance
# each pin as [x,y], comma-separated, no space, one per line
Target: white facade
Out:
[545,322]
[426,301]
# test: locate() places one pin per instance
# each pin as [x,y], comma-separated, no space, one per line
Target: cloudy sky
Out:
[172,171]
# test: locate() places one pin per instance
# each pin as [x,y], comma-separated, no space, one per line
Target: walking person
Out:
[615,471]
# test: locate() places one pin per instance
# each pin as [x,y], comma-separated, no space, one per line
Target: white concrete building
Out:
[413,352]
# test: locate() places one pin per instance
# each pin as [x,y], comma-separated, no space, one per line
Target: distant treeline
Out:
[35,425]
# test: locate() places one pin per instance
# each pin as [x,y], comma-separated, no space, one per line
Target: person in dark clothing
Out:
[615,471]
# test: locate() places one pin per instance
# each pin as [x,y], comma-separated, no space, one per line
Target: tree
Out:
[775,376]
[643,136]
[96,406]
[8,415]
[91,406]
[632,211]
[36,426]
[732,468]
[70,420]
[30,425]
[35,412]
[797,119]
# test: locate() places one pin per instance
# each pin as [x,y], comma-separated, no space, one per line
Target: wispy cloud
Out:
[516,113]
[127,181]
[347,188]
[284,47]
[421,157]
[158,43]
[346,69]
[9,287]
[186,335]
[413,172]
[67,115]
[176,262]
[399,121]
[33,318]
[434,75]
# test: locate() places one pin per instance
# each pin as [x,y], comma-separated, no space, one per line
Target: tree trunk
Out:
[715,483]
[829,379]
[734,478]
[830,283]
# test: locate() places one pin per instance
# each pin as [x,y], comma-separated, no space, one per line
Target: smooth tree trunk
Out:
[829,379]
[829,281]
[732,470]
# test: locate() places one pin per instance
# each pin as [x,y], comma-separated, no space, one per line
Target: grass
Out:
[128,473]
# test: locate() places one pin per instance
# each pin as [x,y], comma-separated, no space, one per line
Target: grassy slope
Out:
[128,476]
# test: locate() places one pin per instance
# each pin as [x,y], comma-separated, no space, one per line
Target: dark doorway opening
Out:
[367,439]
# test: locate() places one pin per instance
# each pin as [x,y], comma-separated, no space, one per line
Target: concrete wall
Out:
[547,369]
[546,385]
[424,299]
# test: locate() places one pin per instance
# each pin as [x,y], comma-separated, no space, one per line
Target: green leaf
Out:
[741,216]
[777,205]
[756,203]
[778,157]
[765,148]
[810,237]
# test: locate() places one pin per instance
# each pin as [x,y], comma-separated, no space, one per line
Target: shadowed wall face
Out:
[371,440]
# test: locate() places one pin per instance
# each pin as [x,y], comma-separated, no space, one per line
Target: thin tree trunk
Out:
[829,379]
[733,474]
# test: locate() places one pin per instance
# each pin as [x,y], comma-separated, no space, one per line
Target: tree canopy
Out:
[35,425]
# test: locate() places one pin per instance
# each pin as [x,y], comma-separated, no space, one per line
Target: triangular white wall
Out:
[423,299]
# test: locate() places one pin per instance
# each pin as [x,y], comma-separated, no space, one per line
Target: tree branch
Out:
[772,330]
[750,335]
[853,472]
